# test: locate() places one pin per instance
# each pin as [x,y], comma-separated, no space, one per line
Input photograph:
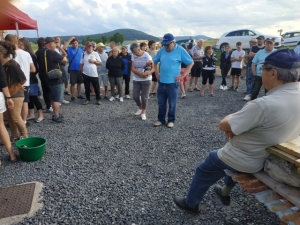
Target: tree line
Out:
[117,37]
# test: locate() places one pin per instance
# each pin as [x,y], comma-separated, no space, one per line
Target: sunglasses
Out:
[168,44]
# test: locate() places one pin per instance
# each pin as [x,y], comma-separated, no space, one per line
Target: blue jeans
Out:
[249,80]
[207,173]
[167,93]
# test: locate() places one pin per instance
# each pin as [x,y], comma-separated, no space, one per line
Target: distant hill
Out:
[197,37]
[129,35]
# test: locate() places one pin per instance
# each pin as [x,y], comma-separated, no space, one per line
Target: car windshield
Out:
[257,32]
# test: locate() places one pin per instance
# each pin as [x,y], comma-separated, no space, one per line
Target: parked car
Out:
[185,41]
[244,36]
[291,38]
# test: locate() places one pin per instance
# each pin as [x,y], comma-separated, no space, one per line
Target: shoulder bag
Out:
[52,74]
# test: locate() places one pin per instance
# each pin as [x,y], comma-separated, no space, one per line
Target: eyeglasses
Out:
[268,68]
[168,44]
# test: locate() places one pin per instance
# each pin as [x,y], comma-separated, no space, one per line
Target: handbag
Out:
[72,60]
[52,74]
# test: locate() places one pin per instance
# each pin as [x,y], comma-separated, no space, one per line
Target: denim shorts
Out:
[56,92]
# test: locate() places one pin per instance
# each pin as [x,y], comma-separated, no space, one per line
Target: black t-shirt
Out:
[254,49]
[53,60]
[3,81]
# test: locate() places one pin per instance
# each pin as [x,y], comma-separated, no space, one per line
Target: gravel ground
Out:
[104,165]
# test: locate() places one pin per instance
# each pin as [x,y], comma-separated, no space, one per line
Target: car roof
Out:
[291,31]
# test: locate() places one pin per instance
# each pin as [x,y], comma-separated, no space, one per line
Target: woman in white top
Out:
[142,68]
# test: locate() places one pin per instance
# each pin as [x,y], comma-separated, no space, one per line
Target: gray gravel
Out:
[104,165]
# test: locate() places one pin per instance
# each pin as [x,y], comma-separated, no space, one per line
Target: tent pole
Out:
[17,28]
[37,32]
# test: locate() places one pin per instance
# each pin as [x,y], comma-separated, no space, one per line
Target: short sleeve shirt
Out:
[139,63]
[75,64]
[237,54]
[259,58]
[170,63]
[90,69]
[261,123]
[24,59]
[196,52]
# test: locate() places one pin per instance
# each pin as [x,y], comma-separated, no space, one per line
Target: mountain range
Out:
[129,35]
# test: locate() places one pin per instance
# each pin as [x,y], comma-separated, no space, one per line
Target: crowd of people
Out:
[160,73]
[261,123]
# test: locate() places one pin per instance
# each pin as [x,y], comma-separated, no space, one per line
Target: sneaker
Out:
[190,90]
[127,96]
[50,110]
[170,125]
[65,101]
[183,95]
[98,102]
[196,89]
[225,88]
[72,98]
[66,92]
[247,98]
[221,87]
[138,112]
[57,119]
[121,99]
[236,88]
[80,97]
[111,98]
[231,88]
[224,199]
[86,102]
[117,96]
[157,124]
[181,203]
[143,116]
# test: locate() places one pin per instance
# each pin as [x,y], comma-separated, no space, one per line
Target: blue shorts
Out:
[34,89]
[56,91]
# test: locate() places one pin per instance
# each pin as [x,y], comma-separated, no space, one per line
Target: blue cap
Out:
[167,39]
[283,58]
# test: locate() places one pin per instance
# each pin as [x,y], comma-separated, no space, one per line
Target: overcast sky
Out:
[157,17]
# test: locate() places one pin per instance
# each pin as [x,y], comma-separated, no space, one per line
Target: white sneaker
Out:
[221,87]
[117,96]
[65,102]
[111,98]
[247,98]
[121,99]
[138,112]
[183,95]
[127,96]
[143,116]
[225,88]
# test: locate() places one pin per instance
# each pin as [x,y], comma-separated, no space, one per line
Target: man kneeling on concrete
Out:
[261,123]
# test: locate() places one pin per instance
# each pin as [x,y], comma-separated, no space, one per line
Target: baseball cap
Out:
[167,39]
[100,44]
[270,39]
[283,58]
[49,40]
[261,37]
[88,43]
[253,40]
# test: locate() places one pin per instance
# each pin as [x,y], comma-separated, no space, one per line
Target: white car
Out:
[244,36]
[291,38]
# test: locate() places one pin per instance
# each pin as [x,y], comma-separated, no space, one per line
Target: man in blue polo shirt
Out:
[170,57]
[74,56]
[257,67]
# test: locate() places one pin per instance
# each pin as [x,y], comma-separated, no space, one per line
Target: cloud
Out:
[155,17]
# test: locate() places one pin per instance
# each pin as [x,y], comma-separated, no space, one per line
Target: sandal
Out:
[202,95]
[30,118]
[14,160]
[212,95]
